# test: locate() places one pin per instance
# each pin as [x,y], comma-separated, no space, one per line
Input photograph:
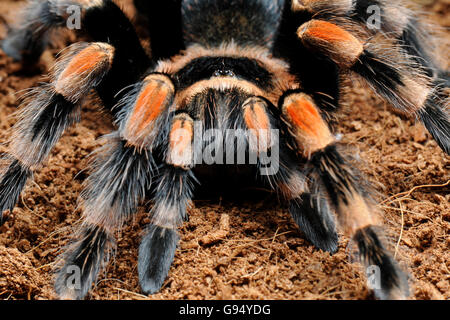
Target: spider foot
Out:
[387,280]
[156,254]
[12,181]
[314,218]
[82,262]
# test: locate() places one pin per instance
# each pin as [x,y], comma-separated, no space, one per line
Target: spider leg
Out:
[308,206]
[124,170]
[347,190]
[157,249]
[121,178]
[102,20]
[48,110]
[407,90]
[174,190]
[29,38]
[392,19]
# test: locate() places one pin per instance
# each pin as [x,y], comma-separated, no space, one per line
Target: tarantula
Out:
[252,66]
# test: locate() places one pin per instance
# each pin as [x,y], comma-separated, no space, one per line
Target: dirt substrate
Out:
[235,249]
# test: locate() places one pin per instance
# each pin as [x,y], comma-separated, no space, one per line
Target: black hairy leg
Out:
[123,171]
[101,20]
[14,176]
[400,69]
[49,109]
[393,19]
[314,217]
[172,197]
[350,195]
[307,204]
[407,89]
[83,260]
[345,189]
[148,124]
[156,253]
[120,179]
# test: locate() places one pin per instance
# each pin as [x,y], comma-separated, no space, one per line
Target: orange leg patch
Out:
[306,123]
[258,123]
[331,40]
[180,142]
[155,97]
[83,70]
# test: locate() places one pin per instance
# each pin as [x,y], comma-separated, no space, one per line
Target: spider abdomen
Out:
[211,23]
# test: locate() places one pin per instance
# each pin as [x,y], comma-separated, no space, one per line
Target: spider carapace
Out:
[267,75]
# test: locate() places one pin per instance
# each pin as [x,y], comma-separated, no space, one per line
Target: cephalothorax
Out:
[253,66]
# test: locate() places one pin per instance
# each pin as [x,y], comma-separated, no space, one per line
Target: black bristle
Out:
[415,48]
[82,263]
[156,254]
[52,118]
[437,121]
[314,218]
[393,282]
[12,182]
[383,77]
[336,174]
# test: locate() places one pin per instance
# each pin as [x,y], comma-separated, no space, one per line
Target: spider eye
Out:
[224,73]
[229,73]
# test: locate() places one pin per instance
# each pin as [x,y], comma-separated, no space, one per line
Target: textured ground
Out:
[235,249]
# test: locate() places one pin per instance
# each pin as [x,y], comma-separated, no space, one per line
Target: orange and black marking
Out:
[306,123]
[347,193]
[153,99]
[356,214]
[393,282]
[337,44]
[84,69]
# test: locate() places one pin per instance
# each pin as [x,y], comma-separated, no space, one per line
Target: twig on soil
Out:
[401,230]
[405,211]
[258,240]
[141,296]
[50,236]
[400,196]
[250,275]
[273,240]
[328,291]
[32,211]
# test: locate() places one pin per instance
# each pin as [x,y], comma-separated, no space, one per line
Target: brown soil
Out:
[235,249]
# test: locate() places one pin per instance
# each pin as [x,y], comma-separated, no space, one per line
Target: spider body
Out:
[241,70]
